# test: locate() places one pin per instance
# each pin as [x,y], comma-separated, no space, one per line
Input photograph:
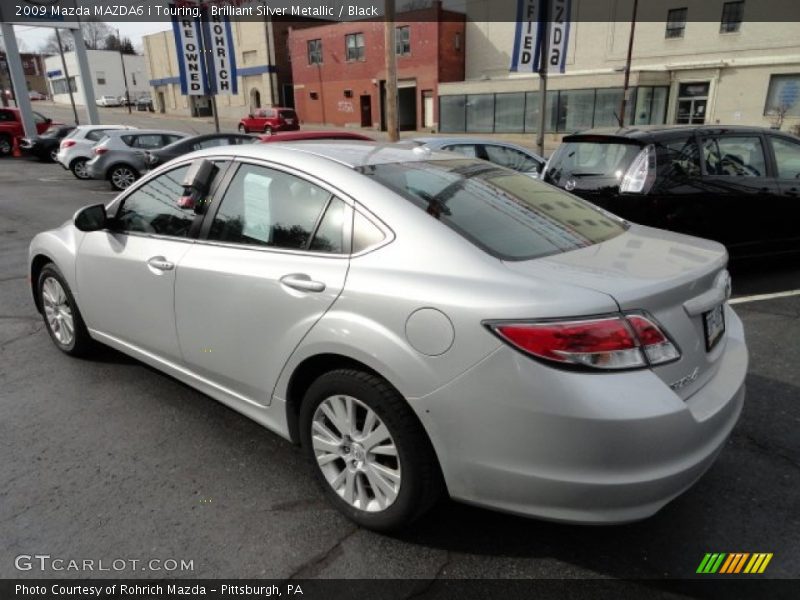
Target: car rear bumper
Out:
[95,169]
[518,436]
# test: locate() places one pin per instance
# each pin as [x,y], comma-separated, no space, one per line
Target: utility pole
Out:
[124,75]
[392,126]
[543,48]
[66,76]
[625,89]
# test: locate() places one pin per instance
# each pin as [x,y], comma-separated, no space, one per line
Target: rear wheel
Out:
[78,168]
[242,129]
[53,155]
[267,130]
[371,455]
[122,177]
[61,315]
[6,145]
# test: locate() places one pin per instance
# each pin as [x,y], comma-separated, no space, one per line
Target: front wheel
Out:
[371,455]
[61,315]
[242,128]
[6,146]
[267,130]
[122,177]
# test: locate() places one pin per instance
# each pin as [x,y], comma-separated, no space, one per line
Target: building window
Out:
[60,85]
[403,40]
[457,42]
[315,52]
[783,96]
[567,110]
[348,93]
[676,22]
[313,95]
[101,78]
[354,46]
[732,14]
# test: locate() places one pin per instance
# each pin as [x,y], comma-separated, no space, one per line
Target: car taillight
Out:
[99,151]
[611,343]
[67,143]
[639,177]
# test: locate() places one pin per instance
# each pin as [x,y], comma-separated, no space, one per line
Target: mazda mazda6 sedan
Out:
[421,323]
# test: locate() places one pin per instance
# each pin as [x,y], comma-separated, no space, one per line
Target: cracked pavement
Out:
[107,458]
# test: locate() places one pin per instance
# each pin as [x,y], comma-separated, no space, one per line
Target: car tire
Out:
[78,168]
[62,319]
[121,177]
[410,481]
[6,145]
[52,156]
[267,130]
[242,129]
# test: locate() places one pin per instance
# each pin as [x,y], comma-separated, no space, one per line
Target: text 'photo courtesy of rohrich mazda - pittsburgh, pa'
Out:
[412,290]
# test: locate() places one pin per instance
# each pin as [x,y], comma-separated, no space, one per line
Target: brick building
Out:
[339,70]
[32,65]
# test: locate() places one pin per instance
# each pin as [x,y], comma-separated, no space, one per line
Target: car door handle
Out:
[302,282]
[160,263]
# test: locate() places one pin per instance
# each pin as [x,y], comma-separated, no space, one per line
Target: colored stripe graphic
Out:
[734,562]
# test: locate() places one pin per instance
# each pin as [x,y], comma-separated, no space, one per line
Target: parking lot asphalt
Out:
[107,458]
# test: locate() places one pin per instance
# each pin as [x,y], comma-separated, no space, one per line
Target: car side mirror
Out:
[48,120]
[250,115]
[91,218]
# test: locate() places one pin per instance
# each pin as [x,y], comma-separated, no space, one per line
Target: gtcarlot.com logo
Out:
[731,563]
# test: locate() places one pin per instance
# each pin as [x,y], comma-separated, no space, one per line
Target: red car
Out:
[11,127]
[314,135]
[269,120]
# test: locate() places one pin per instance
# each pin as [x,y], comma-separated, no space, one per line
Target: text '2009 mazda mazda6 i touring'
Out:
[422,324]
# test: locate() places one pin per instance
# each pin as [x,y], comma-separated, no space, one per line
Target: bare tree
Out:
[779,114]
[50,45]
[95,33]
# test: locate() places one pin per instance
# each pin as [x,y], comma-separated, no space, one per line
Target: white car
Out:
[108,101]
[76,149]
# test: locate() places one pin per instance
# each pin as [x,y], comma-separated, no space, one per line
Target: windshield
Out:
[286,114]
[597,158]
[509,215]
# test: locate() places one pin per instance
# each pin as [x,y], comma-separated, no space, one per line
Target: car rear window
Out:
[286,114]
[509,215]
[608,159]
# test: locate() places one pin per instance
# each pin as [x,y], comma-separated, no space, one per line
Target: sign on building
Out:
[531,26]
[206,59]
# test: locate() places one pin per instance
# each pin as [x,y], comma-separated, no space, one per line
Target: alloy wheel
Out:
[356,453]
[54,155]
[57,311]
[122,177]
[80,170]
[5,145]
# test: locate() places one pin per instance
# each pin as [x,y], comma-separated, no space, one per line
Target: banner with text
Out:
[191,58]
[531,27]
[218,43]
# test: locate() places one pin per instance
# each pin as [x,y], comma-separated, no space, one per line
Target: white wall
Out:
[108,64]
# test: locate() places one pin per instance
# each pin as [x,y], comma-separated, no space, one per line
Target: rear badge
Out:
[569,185]
[684,381]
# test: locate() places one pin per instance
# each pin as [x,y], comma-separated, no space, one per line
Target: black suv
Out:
[737,185]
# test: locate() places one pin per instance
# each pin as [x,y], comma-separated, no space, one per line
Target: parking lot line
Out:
[758,297]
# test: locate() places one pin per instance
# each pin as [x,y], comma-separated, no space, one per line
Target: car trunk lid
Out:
[677,279]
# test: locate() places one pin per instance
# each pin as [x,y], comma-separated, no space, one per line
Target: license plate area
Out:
[713,326]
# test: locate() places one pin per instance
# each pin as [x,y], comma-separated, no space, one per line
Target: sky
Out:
[31,38]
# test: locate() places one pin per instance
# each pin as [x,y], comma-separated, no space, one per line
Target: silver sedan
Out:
[423,324]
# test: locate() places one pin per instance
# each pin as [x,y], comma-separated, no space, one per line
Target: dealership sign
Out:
[531,27]
[206,59]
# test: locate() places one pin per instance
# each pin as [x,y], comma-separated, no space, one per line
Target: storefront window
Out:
[575,110]
[606,107]
[532,112]
[480,113]
[452,114]
[509,113]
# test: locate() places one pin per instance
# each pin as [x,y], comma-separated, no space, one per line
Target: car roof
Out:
[344,152]
[645,132]
[438,141]
[315,135]
[120,132]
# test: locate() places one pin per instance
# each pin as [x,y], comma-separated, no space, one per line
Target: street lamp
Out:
[124,76]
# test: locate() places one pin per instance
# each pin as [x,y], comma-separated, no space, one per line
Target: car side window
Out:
[153,208]
[329,236]
[210,143]
[680,158]
[96,135]
[734,156]
[787,158]
[266,207]
[365,233]
[171,139]
[511,158]
[466,149]
[148,141]
[6,115]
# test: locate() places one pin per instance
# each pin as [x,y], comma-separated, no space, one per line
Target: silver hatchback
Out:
[120,156]
[422,323]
